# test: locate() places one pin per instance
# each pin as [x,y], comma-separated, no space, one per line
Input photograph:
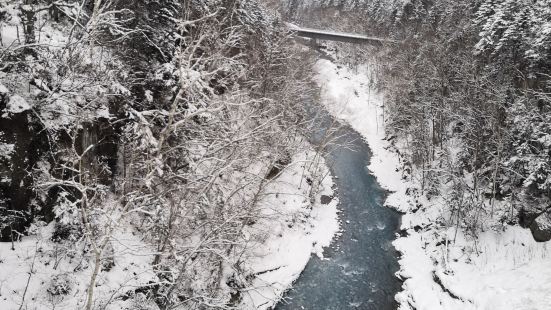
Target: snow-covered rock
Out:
[16,105]
[541,228]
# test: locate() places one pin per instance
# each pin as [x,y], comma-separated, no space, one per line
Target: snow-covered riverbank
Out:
[293,228]
[442,268]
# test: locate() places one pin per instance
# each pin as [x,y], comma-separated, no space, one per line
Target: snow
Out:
[16,105]
[9,35]
[103,112]
[58,112]
[6,149]
[149,96]
[511,271]
[442,269]
[501,270]
[12,34]
[3,89]
[296,230]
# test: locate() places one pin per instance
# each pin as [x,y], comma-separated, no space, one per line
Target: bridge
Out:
[336,36]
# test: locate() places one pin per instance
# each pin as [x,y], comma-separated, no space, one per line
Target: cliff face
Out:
[27,147]
[62,92]
[22,143]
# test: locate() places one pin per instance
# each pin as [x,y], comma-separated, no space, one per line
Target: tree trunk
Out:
[97,265]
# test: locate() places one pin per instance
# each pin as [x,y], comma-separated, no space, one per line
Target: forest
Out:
[152,151]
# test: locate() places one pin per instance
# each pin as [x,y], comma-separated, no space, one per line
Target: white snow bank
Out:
[296,230]
[499,270]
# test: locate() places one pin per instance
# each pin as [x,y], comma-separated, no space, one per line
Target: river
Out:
[358,272]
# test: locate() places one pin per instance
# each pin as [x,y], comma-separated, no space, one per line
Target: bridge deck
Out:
[337,36]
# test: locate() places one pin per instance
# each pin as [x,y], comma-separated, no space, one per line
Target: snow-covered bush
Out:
[141,302]
[61,284]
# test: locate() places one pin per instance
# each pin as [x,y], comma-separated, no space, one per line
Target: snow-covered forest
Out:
[152,155]
[156,155]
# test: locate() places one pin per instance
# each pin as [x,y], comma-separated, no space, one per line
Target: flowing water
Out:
[358,272]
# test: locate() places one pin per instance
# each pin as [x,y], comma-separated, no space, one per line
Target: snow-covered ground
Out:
[442,268]
[43,274]
[296,229]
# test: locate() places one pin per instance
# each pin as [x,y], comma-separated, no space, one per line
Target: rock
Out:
[20,134]
[526,216]
[16,105]
[325,199]
[281,163]
[402,233]
[541,228]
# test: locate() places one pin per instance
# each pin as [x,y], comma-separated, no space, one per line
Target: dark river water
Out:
[359,270]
